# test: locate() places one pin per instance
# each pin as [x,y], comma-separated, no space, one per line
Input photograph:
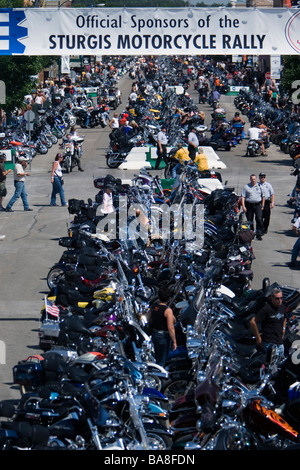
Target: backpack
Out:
[99,197]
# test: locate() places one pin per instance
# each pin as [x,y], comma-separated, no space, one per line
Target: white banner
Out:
[150,31]
[65,64]
[275,67]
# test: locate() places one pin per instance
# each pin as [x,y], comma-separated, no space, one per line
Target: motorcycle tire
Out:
[67,164]
[168,172]
[293,150]
[153,381]
[59,135]
[111,163]
[42,149]
[53,276]
[235,439]
[282,147]
[48,142]
[173,389]
[159,441]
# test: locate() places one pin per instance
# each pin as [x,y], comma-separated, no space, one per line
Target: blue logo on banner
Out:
[11,32]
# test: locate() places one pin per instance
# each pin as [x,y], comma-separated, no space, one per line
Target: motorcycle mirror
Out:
[90,202]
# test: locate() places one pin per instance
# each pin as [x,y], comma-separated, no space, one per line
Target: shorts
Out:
[3,190]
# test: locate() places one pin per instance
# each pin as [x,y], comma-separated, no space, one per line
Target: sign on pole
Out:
[29,118]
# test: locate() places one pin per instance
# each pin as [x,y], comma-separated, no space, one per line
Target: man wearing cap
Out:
[193,143]
[162,141]
[269,201]
[3,173]
[253,202]
[19,182]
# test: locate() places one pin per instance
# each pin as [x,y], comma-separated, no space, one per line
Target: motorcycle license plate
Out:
[50,329]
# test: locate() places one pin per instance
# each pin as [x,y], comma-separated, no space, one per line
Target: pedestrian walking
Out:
[162,324]
[19,183]
[57,181]
[253,202]
[269,201]
[162,141]
[296,247]
[269,324]
[193,143]
[3,173]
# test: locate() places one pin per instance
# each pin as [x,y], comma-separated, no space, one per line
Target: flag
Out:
[51,309]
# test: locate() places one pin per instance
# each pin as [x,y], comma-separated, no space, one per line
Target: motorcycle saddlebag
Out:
[100,182]
[246,236]
[67,242]
[28,372]
[75,206]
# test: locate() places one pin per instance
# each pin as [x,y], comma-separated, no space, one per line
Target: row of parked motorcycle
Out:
[281,124]
[282,128]
[156,107]
[36,132]
[96,384]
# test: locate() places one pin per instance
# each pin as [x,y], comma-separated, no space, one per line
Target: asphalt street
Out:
[31,244]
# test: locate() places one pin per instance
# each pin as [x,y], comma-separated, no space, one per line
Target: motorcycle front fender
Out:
[158,429]
[152,392]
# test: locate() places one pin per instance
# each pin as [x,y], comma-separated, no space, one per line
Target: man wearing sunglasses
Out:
[269,201]
[269,323]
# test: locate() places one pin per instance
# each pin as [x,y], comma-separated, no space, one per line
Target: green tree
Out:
[16,72]
[11,3]
[290,72]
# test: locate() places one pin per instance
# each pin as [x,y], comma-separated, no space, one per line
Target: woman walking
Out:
[57,181]
[163,332]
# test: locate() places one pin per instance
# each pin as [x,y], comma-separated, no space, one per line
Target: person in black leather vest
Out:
[163,332]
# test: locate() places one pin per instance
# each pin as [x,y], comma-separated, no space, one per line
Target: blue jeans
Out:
[175,169]
[57,188]
[295,251]
[161,343]
[20,191]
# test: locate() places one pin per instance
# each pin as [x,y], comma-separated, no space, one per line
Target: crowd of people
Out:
[258,197]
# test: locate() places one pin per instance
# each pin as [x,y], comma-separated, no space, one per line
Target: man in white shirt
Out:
[193,143]
[133,98]
[114,123]
[255,133]
[162,141]
[19,182]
